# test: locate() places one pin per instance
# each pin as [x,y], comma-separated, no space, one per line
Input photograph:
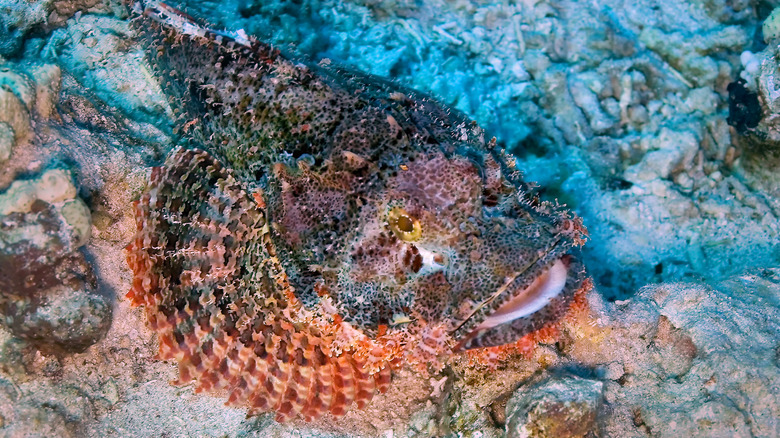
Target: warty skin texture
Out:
[323,228]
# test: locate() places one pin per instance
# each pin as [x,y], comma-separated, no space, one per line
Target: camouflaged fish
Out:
[329,228]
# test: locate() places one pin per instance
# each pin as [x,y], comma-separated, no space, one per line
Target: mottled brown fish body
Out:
[332,228]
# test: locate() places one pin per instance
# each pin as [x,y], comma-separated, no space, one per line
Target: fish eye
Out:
[403,225]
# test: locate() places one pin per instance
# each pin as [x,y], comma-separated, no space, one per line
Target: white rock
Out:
[6,141]
[53,186]
[77,215]
[674,151]
[771,26]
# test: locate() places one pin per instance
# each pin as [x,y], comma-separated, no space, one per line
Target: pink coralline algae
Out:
[324,229]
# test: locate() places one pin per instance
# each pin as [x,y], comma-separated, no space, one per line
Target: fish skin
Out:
[323,227]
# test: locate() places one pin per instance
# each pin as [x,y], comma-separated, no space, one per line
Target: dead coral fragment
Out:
[555,406]
[47,288]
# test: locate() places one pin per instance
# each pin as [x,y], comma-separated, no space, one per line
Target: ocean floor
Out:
[656,121]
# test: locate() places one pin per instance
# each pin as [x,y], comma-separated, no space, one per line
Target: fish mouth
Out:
[531,299]
[522,305]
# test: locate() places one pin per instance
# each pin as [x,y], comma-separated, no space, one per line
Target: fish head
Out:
[452,240]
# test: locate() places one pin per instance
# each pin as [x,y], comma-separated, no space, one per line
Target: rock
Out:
[674,349]
[19,19]
[6,141]
[47,79]
[110,391]
[27,93]
[14,110]
[95,50]
[754,104]
[771,26]
[704,100]
[35,422]
[587,100]
[78,218]
[64,316]
[699,361]
[47,288]
[55,186]
[675,152]
[689,52]
[555,406]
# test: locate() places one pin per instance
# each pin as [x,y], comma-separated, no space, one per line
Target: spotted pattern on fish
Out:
[320,229]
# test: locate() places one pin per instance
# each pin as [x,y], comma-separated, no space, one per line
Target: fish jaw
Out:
[528,308]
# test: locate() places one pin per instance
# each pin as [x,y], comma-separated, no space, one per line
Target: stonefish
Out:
[325,228]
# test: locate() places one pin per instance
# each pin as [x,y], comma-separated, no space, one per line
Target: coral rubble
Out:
[48,288]
[555,407]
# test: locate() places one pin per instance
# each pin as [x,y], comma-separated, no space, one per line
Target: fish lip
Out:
[468,330]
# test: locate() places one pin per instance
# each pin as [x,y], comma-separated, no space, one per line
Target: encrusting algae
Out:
[323,229]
